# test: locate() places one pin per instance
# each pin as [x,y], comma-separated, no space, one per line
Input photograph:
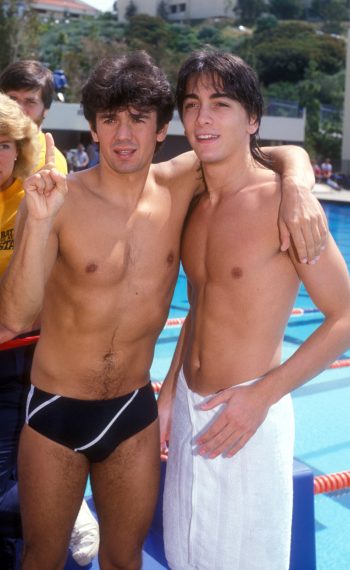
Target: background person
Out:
[31,85]
[80,158]
[19,148]
[326,170]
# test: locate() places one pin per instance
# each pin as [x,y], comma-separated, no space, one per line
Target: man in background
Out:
[31,85]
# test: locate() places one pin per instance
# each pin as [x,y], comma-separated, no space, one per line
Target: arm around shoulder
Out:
[301,217]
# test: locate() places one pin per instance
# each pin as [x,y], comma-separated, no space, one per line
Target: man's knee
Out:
[36,556]
[120,558]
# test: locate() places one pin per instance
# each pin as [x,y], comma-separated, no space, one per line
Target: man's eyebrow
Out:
[140,112]
[216,95]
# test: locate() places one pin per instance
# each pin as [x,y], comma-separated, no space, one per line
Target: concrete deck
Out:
[324,192]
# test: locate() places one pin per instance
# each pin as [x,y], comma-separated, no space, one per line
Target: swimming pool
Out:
[321,408]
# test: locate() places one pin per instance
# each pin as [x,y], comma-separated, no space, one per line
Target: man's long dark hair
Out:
[228,74]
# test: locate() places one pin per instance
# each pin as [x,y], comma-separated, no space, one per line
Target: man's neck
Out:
[122,188]
[230,176]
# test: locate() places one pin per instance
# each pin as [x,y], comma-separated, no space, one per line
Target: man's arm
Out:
[167,392]
[22,286]
[301,218]
[328,285]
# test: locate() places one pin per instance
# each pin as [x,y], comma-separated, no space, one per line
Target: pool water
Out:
[322,408]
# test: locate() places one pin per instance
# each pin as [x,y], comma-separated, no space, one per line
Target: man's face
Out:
[127,138]
[8,155]
[31,102]
[216,125]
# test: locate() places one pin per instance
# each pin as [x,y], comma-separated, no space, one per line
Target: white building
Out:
[180,10]
[62,8]
[68,125]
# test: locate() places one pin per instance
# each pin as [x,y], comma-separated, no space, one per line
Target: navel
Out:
[170,258]
[91,268]
[236,272]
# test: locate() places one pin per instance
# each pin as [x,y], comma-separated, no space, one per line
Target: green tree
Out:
[330,10]
[249,10]
[309,91]
[284,53]
[19,31]
[162,10]
[130,10]
[209,35]
[286,9]
[266,22]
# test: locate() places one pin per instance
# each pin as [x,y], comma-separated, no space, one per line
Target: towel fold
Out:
[228,513]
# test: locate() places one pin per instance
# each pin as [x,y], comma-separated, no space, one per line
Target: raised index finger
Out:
[50,158]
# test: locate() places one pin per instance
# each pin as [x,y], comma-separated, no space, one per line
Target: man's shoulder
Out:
[184,164]
[266,178]
[182,174]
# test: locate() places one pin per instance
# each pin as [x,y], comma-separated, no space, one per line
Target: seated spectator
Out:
[81,159]
[326,170]
[317,171]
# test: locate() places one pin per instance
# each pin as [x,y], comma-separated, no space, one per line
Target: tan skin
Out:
[242,287]
[100,262]
[94,275]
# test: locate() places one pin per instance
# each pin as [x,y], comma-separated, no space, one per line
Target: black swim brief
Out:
[92,427]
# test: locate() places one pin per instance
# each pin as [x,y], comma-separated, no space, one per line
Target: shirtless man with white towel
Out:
[225,402]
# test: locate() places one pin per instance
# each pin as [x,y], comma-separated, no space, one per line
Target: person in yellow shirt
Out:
[31,85]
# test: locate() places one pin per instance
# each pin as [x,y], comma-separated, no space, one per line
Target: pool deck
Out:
[324,192]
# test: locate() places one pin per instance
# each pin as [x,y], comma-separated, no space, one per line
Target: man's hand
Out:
[46,190]
[165,405]
[244,411]
[302,219]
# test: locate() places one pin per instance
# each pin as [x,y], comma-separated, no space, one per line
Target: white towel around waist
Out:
[228,513]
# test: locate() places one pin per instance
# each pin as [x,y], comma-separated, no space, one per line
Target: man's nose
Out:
[204,115]
[123,130]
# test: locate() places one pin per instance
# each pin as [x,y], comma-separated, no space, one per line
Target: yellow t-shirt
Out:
[10,200]
[9,203]
[61,163]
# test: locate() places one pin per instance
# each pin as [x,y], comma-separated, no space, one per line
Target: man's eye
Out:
[138,118]
[191,105]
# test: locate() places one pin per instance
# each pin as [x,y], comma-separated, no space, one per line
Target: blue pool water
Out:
[322,408]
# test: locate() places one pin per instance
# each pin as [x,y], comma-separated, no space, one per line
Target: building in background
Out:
[179,10]
[60,9]
[67,124]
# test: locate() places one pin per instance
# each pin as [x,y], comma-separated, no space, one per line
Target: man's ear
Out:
[93,134]
[253,125]
[162,133]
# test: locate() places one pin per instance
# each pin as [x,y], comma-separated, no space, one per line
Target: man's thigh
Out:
[125,488]
[52,481]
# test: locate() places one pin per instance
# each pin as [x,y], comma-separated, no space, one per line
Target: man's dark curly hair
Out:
[131,80]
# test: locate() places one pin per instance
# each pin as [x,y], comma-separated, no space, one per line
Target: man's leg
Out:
[125,489]
[52,480]
[12,405]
